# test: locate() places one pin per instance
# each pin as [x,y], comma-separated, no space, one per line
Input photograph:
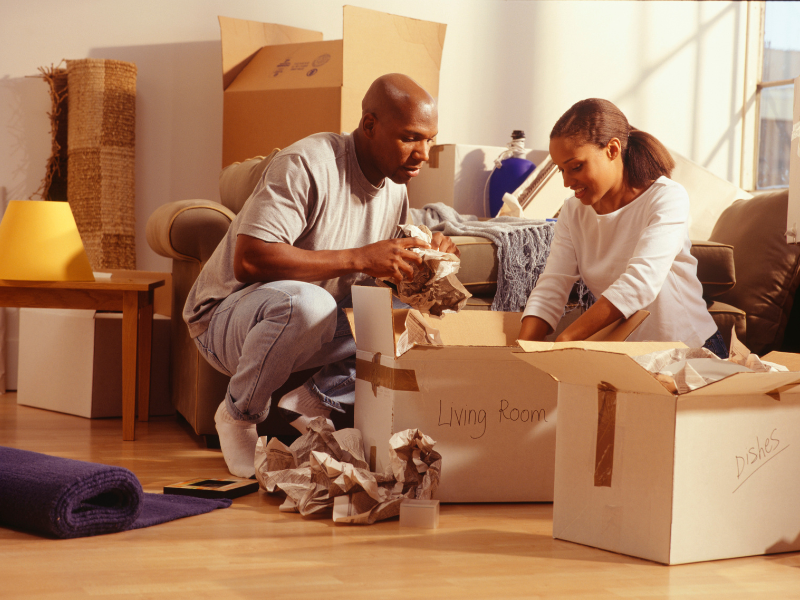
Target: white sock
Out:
[300,406]
[238,442]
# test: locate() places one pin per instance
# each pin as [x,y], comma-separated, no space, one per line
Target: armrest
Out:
[188,229]
[715,268]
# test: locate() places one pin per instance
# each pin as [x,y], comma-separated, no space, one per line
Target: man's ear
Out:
[368,122]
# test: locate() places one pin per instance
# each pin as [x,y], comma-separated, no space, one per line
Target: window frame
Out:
[754,85]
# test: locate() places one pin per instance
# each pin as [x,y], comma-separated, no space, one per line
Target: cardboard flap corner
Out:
[241,40]
[749,383]
[373,319]
[621,329]
[592,363]
[404,45]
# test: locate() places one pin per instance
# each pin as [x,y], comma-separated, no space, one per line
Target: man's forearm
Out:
[259,261]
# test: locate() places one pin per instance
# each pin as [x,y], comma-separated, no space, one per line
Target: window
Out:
[780,66]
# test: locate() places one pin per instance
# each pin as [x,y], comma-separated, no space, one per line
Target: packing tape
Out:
[402,380]
[796,134]
[606,424]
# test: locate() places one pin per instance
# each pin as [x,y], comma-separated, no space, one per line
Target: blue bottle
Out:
[511,170]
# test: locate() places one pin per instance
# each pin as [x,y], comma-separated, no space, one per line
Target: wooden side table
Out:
[124,291]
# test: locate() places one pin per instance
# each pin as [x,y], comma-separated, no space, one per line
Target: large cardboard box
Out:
[70,361]
[284,83]
[710,474]
[492,416]
[456,175]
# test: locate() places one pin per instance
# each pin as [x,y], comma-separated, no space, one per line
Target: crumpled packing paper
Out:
[434,287]
[682,370]
[324,464]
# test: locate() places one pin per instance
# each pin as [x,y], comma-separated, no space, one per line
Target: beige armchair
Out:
[188,231]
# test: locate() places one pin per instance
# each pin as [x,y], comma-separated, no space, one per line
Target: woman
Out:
[625,232]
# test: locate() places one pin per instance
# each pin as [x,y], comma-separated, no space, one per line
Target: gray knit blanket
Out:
[522,248]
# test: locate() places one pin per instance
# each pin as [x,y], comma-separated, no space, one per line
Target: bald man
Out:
[323,217]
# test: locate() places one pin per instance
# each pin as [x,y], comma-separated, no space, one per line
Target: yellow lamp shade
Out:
[39,241]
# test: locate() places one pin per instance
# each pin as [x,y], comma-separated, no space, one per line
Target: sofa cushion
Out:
[238,180]
[767,268]
[478,271]
[715,268]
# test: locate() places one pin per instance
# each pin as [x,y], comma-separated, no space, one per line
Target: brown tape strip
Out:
[403,380]
[606,422]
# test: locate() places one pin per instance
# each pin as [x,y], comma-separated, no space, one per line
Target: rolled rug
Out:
[67,498]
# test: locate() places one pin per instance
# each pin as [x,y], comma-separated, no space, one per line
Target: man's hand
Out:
[390,258]
[444,244]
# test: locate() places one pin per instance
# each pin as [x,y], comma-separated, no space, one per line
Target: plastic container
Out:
[511,170]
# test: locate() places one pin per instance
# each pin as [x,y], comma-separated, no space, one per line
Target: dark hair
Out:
[597,121]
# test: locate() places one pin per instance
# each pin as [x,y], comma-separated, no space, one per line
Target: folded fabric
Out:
[67,498]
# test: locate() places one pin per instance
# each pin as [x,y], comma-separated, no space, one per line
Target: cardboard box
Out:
[456,175]
[70,361]
[710,474]
[284,83]
[493,417]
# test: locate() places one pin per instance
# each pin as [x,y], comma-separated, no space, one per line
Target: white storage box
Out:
[70,361]
[710,474]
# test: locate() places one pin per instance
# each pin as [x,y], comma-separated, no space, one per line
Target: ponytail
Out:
[596,121]
[645,159]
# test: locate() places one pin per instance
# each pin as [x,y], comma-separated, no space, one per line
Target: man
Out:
[323,216]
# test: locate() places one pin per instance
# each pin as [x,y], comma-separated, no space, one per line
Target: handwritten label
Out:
[757,455]
[476,418]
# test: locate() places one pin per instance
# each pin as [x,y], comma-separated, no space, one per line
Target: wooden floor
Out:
[252,550]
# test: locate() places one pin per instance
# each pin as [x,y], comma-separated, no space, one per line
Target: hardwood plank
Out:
[254,550]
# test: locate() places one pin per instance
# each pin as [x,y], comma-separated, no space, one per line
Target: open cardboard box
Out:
[284,83]
[492,416]
[710,474]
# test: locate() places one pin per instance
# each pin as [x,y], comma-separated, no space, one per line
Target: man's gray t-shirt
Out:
[313,195]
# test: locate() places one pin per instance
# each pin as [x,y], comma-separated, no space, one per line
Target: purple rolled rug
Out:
[66,498]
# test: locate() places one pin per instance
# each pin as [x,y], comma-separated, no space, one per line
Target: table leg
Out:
[130,330]
[145,349]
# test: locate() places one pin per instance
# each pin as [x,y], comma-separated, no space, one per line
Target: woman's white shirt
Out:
[638,257]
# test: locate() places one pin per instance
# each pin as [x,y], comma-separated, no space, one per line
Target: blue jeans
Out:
[717,345]
[266,331]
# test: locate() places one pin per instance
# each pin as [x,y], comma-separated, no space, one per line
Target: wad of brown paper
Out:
[325,469]
[433,287]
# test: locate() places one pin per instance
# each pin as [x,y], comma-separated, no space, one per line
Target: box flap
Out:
[242,39]
[621,329]
[376,43]
[589,363]
[748,383]
[477,328]
[292,66]
[374,324]
[789,360]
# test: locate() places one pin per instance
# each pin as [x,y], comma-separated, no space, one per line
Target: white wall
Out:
[675,68]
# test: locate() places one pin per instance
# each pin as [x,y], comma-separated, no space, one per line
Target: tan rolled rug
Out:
[101,135]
